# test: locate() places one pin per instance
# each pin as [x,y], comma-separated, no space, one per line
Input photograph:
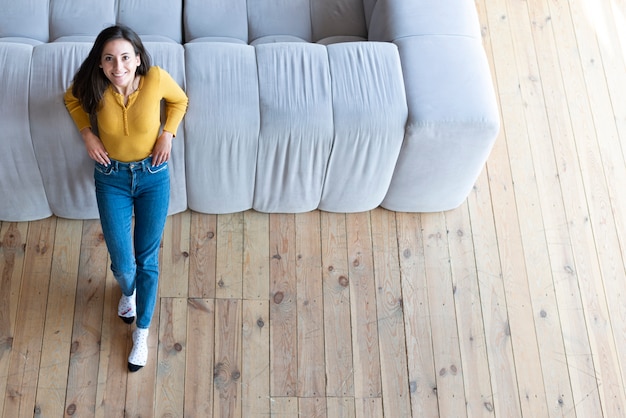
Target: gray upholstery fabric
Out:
[279,17]
[152,19]
[84,17]
[221,159]
[370,113]
[21,186]
[337,18]
[170,57]
[341,105]
[452,123]
[216,19]
[13,22]
[396,19]
[65,166]
[296,126]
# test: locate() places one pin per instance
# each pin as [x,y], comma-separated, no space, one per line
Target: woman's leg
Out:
[151,205]
[115,205]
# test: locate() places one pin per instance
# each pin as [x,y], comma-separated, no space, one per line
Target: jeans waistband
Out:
[133,165]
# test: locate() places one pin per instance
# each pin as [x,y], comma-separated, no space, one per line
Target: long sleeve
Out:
[78,114]
[175,102]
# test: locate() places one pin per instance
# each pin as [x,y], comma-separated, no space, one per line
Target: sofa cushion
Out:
[396,19]
[224,107]
[279,17]
[66,168]
[337,18]
[153,20]
[171,57]
[296,126]
[21,187]
[370,113]
[453,122]
[85,17]
[24,18]
[215,18]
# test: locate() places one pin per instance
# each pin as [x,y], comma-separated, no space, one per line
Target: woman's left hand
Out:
[162,148]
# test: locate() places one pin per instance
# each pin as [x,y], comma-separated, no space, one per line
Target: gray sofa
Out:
[341,105]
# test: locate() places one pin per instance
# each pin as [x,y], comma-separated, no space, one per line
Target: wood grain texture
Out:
[509,306]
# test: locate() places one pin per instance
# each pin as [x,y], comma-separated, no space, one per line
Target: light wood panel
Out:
[509,306]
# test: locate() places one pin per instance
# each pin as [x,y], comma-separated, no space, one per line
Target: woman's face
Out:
[119,63]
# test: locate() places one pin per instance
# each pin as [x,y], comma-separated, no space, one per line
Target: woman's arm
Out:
[94,145]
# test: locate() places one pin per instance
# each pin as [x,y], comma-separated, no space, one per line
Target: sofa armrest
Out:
[452,125]
[453,116]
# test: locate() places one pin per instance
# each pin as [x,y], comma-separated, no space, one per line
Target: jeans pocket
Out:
[158,168]
[107,170]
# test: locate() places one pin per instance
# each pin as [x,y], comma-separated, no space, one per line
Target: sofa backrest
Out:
[254,20]
[85,18]
[244,21]
[24,19]
[215,19]
[82,20]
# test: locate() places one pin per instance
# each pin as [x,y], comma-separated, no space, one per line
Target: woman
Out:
[117,86]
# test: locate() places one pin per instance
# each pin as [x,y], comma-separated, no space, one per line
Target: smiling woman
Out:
[117,85]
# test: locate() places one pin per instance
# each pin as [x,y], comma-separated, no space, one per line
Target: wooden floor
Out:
[513,305]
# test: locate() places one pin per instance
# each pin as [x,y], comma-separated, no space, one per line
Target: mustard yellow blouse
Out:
[130,132]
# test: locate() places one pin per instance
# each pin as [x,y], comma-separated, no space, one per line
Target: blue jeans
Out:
[121,190]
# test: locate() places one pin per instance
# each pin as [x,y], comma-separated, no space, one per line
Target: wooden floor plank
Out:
[170,396]
[227,370]
[389,309]
[255,377]
[52,384]
[312,407]
[310,310]
[25,356]
[174,274]
[199,366]
[256,255]
[445,337]
[337,332]
[493,302]
[12,252]
[420,356]
[340,407]
[366,354]
[114,350]
[229,261]
[203,253]
[468,307]
[283,305]
[88,318]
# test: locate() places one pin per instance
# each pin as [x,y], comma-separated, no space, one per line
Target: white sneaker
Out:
[139,354]
[127,308]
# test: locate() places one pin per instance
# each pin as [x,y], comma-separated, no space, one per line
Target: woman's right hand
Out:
[95,148]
